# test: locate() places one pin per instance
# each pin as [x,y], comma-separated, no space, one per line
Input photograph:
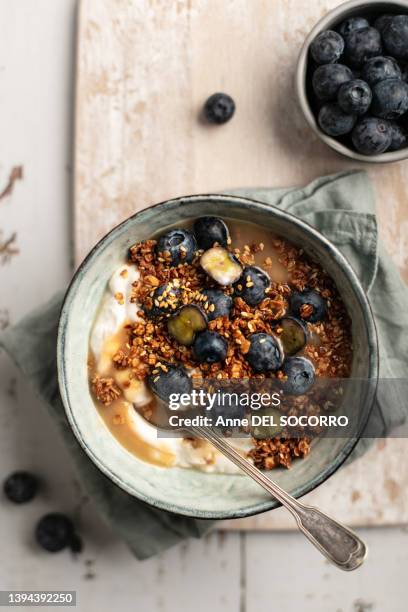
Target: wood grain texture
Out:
[145,67]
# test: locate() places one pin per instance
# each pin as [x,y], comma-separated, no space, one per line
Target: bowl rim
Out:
[300,81]
[333,252]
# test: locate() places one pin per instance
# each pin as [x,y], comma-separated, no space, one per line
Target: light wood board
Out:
[145,67]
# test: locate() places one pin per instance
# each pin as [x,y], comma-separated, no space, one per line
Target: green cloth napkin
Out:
[342,208]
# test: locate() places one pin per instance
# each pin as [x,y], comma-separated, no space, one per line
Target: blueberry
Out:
[210,347]
[328,79]
[380,68]
[186,323]
[179,244]
[390,99]
[54,532]
[395,36]
[172,379]
[219,108]
[352,24]
[354,97]
[361,45]
[399,137]
[227,405]
[210,230]
[371,136]
[327,47]
[251,285]
[20,487]
[221,302]
[292,334]
[308,305]
[381,22]
[300,375]
[265,353]
[164,301]
[334,121]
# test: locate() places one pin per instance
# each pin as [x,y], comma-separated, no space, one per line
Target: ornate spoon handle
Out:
[335,541]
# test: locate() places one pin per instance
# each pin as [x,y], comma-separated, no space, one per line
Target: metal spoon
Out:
[338,543]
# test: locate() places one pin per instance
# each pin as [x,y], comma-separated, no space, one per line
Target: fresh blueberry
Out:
[293,334]
[174,379]
[381,22]
[399,137]
[180,244]
[380,68]
[300,375]
[186,323]
[210,231]
[361,45]
[163,302]
[395,37]
[54,532]
[219,108]
[354,97]
[334,121]
[251,285]
[20,487]
[265,353]
[210,347]
[390,99]
[371,136]
[219,303]
[352,24]
[327,47]
[308,305]
[328,79]
[228,406]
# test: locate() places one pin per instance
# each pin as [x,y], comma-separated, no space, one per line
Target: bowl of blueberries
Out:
[352,80]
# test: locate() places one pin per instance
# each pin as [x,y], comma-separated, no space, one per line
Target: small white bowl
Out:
[330,21]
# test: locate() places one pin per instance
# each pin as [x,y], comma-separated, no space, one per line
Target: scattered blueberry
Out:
[328,79]
[210,347]
[20,487]
[352,24]
[227,405]
[354,97]
[327,47]
[209,231]
[221,301]
[334,121]
[54,532]
[251,285]
[180,244]
[395,36]
[317,307]
[265,353]
[164,302]
[174,380]
[390,99]
[293,334]
[219,108]
[399,137]
[300,375]
[380,68]
[186,323]
[381,22]
[361,45]
[371,136]
[263,432]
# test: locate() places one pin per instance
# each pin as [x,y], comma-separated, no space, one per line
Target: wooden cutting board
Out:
[144,69]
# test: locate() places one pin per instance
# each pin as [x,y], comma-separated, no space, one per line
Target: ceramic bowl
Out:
[179,490]
[365,8]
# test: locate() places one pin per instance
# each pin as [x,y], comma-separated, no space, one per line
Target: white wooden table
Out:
[226,571]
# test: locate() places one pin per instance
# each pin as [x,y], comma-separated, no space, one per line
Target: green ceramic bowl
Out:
[186,491]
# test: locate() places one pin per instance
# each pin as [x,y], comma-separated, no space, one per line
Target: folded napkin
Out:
[342,208]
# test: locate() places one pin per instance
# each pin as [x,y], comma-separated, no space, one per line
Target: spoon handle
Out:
[338,543]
